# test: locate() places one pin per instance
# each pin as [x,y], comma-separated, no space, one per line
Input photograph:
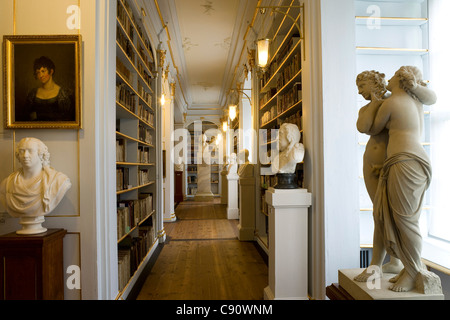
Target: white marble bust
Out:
[291,150]
[35,189]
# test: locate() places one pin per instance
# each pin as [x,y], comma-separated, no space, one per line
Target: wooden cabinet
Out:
[31,266]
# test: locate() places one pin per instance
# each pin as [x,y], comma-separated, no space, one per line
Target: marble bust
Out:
[232,167]
[245,169]
[35,189]
[291,150]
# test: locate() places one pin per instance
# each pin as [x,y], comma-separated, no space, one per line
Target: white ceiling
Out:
[207,41]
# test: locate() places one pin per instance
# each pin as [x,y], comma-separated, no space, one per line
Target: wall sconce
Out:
[224,126]
[263,52]
[163,99]
[232,112]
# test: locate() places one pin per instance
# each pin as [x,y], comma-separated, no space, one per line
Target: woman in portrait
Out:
[49,101]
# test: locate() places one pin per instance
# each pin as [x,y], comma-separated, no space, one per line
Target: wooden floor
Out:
[204,260]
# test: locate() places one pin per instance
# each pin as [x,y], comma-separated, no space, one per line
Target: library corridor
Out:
[202,259]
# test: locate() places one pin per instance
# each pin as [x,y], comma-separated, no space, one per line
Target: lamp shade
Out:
[263,52]
[224,126]
[232,112]
[163,99]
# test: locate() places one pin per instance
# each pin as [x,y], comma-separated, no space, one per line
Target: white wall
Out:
[87,156]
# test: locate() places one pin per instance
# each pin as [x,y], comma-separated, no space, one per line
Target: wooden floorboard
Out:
[204,260]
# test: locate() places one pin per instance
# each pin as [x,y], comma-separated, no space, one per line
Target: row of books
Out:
[147,97]
[138,27]
[124,72]
[266,96]
[145,134]
[144,74]
[147,61]
[122,179]
[143,155]
[122,16]
[284,102]
[269,115]
[145,114]
[289,71]
[131,254]
[125,44]
[121,150]
[125,97]
[295,64]
[131,212]
[143,177]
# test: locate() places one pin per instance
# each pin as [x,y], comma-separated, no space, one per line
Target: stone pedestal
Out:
[247,207]
[204,192]
[232,209]
[288,244]
[378,289]
[224,197]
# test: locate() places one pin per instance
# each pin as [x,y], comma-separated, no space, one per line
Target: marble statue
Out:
[35,189]
[246,169]
[404,178]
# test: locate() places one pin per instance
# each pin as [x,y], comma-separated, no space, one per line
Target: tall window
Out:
[438,221]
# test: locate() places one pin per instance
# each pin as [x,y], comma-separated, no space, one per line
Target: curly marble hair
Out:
[376,78]
[408,77]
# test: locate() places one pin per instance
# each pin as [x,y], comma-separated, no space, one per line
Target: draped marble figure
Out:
[404,178]
[35,189]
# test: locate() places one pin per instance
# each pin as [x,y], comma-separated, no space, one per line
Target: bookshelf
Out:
[135,147]
[280,101]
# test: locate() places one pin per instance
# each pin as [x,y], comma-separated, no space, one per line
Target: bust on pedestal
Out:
[247,203]
[288,223]
[35,189]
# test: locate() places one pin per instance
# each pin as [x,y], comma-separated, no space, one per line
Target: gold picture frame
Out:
[42,77]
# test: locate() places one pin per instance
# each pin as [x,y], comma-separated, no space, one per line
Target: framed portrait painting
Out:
[42,81]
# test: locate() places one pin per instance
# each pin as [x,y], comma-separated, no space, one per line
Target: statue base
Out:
[32,225]
[378,289]
[286,181]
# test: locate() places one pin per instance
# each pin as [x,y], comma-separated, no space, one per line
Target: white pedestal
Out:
[233,209]
[247,207]
[288,244]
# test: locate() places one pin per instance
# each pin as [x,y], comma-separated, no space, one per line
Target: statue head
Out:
[408,77]
[289,135]
[31,152]
[371,81]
